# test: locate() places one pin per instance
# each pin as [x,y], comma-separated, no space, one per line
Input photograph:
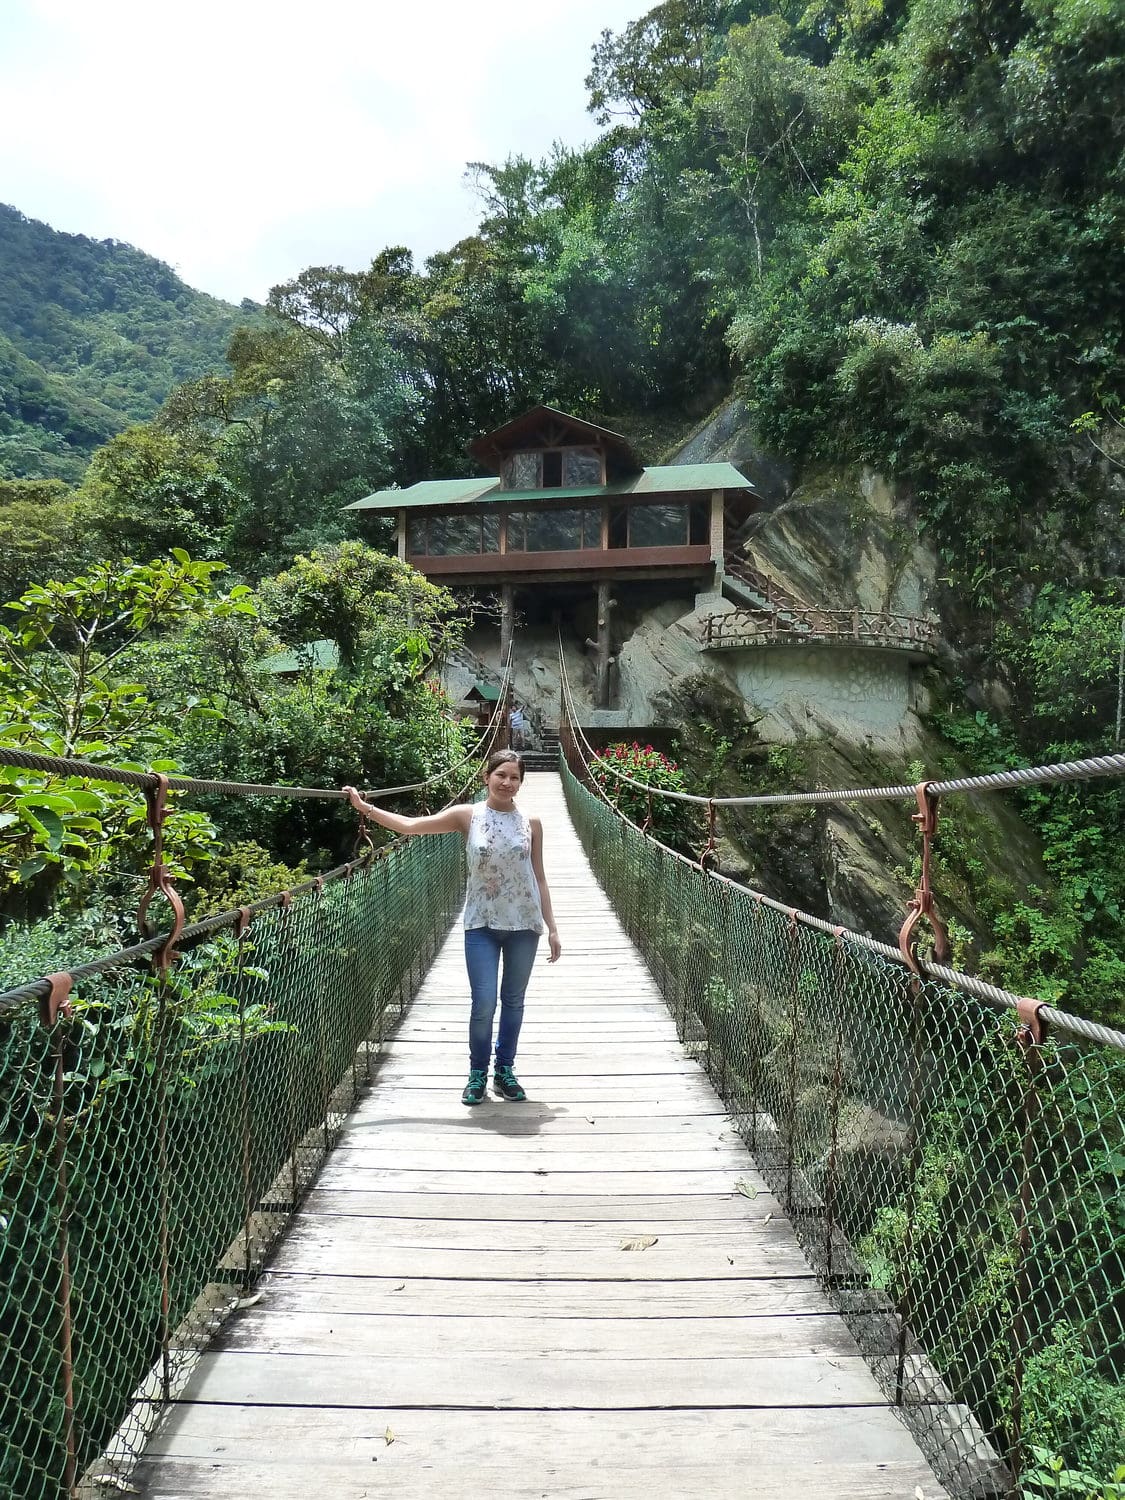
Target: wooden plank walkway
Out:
[569,1298]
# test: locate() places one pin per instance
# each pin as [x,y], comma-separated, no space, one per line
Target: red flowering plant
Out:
[675,823]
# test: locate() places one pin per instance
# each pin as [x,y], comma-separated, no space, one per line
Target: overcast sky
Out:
[242,140]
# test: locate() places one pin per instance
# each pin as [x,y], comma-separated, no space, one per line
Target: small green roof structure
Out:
[313,656]
[483,692]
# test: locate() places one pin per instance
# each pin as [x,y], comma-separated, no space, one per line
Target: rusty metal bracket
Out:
[922,903]
[56,1002]
[646,826]
[160,876]
[1031,1031]
[363,836]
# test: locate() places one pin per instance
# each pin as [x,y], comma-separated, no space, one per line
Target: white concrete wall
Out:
[859,692]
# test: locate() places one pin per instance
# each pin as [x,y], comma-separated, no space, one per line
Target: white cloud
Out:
[242,141]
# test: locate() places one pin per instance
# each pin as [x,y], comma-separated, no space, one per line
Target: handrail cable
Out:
[90,771]
[12,999]
[968,983]
[1071,770]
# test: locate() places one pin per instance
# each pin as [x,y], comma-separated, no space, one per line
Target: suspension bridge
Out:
[788,1209]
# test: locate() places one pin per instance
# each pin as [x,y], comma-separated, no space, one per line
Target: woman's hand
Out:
[353,797]
[554,944]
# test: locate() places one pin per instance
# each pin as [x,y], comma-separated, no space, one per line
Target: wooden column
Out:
[605,605]
[718,532]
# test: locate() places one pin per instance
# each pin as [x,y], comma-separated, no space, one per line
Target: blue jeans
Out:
[483,949]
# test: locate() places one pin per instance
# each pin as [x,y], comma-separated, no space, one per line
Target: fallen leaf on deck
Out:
[766,1220]
[747,1189]
[249,1301]
[641,1243]
[590,1120]
[388,1437]
[400,1288]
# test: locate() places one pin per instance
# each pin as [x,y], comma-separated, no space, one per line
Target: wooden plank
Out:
[462,1156]
[349,1254]
[447,1063]
[676,1094]
[390,1335]
[609,1184]
[671,1131]
[529,1234]
[504,1208]
[311,1436]
[517,1381]
[425,1105]
[530,1477]
[434,1298]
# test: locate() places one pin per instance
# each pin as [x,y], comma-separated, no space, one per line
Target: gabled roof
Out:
[663,479]
[516,434]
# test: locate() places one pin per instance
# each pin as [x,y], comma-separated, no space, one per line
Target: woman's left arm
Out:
[544,893]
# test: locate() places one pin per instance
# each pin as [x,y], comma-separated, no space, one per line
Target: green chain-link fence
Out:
[956,1183]
[154,1142]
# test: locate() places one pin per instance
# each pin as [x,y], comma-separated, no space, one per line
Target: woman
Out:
[506,906]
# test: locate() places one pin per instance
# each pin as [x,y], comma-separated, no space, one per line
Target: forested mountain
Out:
[93,336]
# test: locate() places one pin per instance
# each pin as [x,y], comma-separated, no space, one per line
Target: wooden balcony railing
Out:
[843,627]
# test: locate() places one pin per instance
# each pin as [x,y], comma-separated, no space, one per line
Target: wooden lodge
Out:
[567,504]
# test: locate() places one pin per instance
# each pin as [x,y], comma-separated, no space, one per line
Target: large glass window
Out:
[581,466]
[555,530]
[453,535]
[658,526]
[523,471]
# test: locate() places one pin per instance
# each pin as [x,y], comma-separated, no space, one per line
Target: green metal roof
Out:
[486,690]
[321,656]
[664,479]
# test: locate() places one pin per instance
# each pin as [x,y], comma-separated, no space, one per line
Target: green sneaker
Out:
[505,1082]
[473,1092]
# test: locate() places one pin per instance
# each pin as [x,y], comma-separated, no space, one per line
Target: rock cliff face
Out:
[775,719]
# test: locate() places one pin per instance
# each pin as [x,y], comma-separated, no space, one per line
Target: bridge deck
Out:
[592,1294]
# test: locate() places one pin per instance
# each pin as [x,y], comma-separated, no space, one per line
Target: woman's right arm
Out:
[449,820]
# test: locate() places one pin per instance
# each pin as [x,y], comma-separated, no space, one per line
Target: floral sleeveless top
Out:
[503,892]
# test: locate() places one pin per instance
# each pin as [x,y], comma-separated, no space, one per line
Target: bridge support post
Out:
[507,620]
[604,659]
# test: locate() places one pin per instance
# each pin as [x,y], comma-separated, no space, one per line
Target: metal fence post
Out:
[56,1004]
[244,1098]
[793,942]
[836,1090]
[163,1185]
[1029,1038]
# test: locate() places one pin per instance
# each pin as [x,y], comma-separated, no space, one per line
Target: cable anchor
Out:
[922,903]
[160,876]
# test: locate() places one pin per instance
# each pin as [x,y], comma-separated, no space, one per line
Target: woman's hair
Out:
[502,757]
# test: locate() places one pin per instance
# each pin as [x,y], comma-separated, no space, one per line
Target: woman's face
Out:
[503,782]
